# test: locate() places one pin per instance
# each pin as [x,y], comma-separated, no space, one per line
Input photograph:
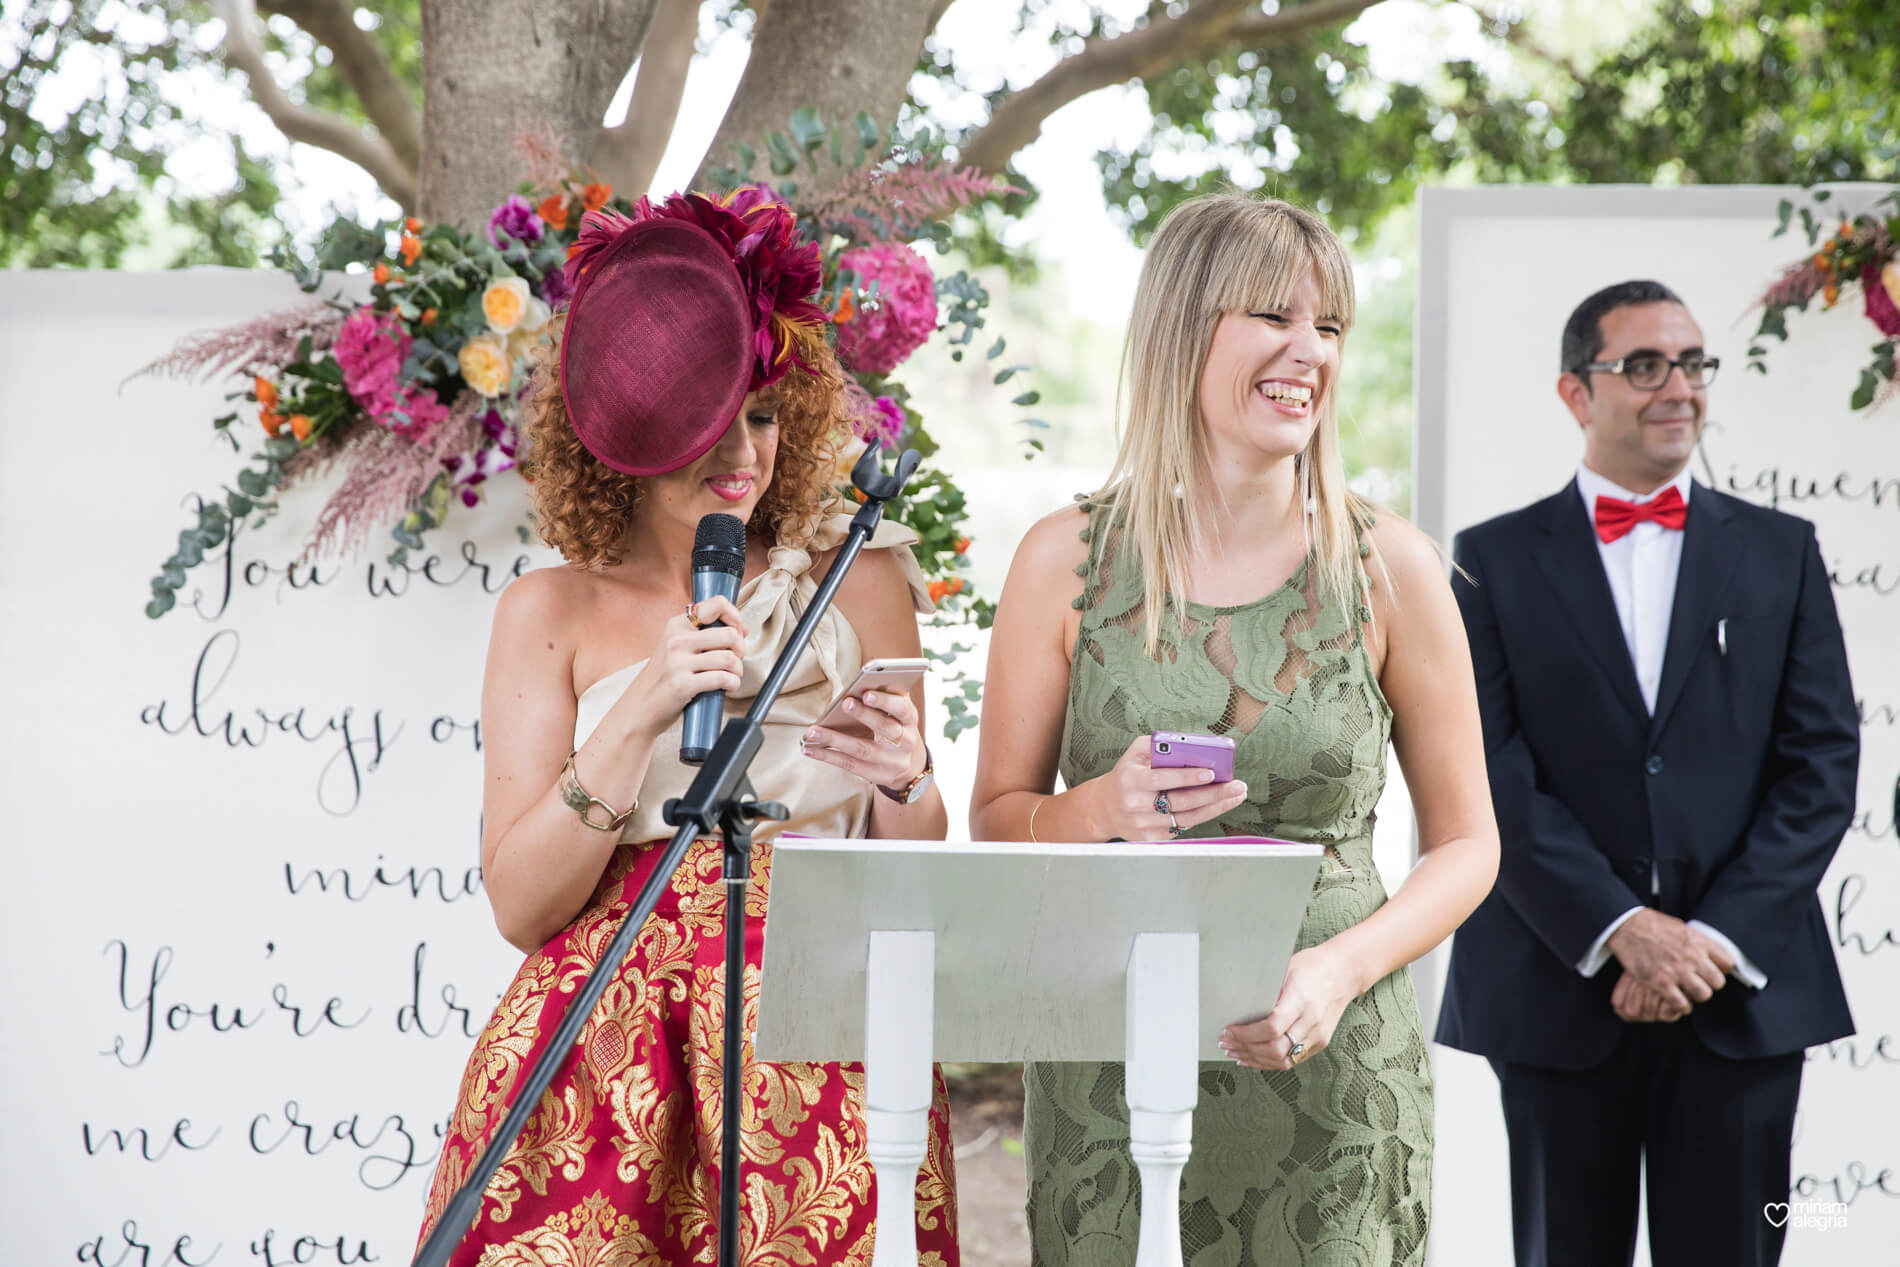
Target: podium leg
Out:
[1163,1073]
[900,980]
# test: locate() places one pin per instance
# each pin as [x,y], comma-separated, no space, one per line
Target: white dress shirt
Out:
[1641,567]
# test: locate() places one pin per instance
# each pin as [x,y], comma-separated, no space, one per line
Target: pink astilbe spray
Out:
[898,200]
[387,472]
[263,345]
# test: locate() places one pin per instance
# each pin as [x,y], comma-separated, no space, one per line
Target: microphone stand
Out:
[721,797]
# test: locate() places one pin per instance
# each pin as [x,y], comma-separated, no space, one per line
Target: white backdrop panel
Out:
[277,1053]
[1500,270]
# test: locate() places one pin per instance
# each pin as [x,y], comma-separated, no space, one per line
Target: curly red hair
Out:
[583,507]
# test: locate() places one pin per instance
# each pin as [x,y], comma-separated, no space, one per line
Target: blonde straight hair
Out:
[1214,255]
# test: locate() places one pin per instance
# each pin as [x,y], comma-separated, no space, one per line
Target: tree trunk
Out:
[495,69]
[628,155]
[838,58]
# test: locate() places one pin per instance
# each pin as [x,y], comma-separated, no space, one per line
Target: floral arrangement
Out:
[416,392]
[1863,252]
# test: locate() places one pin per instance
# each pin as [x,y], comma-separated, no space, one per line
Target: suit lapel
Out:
[1708,565]
[1567,554]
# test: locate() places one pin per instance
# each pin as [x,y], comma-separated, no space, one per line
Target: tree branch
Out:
[364,68]
[245,52]
[627,156]
[1201,28]
[1512,32]
[1260,29]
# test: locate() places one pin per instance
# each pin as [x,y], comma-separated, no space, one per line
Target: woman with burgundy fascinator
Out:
[690,375]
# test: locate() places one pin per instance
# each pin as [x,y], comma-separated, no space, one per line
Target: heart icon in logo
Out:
[1775,1212]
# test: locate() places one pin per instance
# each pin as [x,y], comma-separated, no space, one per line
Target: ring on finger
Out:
[1295,1048]
[1162,804]
[1175,829]
[692,614]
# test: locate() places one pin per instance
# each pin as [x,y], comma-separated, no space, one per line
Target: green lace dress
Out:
[1328,1165]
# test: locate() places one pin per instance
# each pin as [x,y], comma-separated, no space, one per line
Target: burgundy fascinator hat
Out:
[678,312]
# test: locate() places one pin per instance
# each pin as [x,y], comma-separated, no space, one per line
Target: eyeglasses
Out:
[1648,371]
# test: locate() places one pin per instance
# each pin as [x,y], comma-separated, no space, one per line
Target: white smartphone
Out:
[895,676]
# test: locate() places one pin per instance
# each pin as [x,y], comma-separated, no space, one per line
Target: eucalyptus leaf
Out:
[163,600]
[807,128]
[1864,394]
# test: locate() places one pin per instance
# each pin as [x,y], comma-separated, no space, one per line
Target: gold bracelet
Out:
[582,802]
[1032,819]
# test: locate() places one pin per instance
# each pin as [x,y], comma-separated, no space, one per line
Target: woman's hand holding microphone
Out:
[693,656]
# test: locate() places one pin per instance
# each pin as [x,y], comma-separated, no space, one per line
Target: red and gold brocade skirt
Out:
[619,1166]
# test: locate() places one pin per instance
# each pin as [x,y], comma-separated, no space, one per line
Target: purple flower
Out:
[554,288]
[517,219]
[493,458]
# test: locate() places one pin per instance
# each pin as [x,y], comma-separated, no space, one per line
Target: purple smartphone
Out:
[1168,751]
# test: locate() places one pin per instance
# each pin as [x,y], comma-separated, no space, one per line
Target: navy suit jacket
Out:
[1736,792]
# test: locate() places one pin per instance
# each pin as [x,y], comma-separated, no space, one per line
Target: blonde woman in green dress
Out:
[1225,581]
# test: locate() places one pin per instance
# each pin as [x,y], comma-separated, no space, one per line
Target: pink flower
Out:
[421,407]
[1882,308]
[370,349]
[888,419]
[878,339]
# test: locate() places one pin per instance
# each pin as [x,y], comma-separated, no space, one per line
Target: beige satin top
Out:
[824,800]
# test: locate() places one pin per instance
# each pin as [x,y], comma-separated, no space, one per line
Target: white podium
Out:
[898,953]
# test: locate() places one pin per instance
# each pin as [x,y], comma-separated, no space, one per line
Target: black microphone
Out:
[718,563]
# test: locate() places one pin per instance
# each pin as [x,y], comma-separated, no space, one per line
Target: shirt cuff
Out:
[1744,970]
[1599,952]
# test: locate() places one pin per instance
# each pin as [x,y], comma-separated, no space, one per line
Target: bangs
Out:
[1270,252]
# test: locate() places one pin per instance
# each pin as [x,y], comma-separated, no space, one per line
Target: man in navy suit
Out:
[1673,742]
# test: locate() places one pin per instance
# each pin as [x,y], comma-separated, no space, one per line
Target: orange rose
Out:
[380,274]
[300,426]
[553,209]
[412,224]
[956,585]
[272,422]
[847,309]
[594,197]
[937,590]
[266,393]
[963,545]
[428,316]
[411,249]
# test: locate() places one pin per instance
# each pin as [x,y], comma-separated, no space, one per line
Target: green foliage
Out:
[80,187]
[1322,132]
[1756,91]
[1761,91]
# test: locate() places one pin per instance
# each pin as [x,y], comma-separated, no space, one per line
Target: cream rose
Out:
[486,365]
[506,302]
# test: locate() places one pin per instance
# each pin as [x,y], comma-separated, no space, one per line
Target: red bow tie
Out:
[1615,517]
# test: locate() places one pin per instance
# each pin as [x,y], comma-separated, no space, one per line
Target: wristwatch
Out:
[914,791]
